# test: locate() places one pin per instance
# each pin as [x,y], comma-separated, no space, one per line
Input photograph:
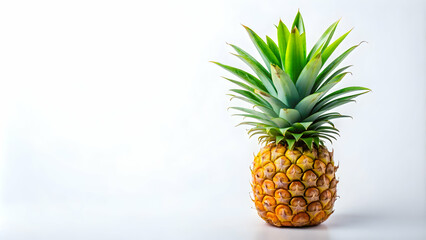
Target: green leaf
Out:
[256,133]
[337,72]
[254,129]
[340,92]
[330,84]
[256,124]
[259,102]
[326,129]
[263,49]
[291,115]
[334,104]
[308,142]
[265,79]
[250,95]
[262,104]
[323,40]
[333,115]
[263,120]
[285,87]
[250,111]
[248,100]
[290,143]
[307,77]
[273,101]
[250,60]
[323,132]
[250,79]
[305,106]
[300,127]
[272,131]
[298,23]
[351,96]
[334,64]
[314,116]
[274,48]
[264,139]
[309,132]
[331,123]
[278,139]
[297,136]
[242,85]
[281,123]
[339,101]
[284,130]
[247,94]
[305,124]
[283,37]
[294,59]
[316,141]
[330,49]
[344,91]
[326,137]
[266,109]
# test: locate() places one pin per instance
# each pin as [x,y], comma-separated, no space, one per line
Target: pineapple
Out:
[293,175]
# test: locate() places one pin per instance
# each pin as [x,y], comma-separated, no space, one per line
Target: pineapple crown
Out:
[290,98]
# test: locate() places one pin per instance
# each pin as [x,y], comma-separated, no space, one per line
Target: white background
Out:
[114,123]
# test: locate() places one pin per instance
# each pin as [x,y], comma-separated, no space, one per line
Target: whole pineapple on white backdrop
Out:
[293,175]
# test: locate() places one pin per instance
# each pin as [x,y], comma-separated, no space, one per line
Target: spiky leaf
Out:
[263,49]
[250,79]
[291,115]
[283,37]
[265,78]
[286,89]
[330,49]
[274,48]
[333,65]
[294,59]
[307,78]
[300,25]
[323,40]
[307,104]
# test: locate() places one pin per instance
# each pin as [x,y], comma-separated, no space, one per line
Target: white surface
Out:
[113,122]
[78,222]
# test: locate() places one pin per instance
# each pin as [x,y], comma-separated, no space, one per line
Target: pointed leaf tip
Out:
[290,143]
[264,50]
[308,142]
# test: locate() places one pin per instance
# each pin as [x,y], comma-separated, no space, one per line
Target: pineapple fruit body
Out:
[294,188]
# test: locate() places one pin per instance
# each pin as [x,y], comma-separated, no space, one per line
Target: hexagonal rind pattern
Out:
[294,188]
